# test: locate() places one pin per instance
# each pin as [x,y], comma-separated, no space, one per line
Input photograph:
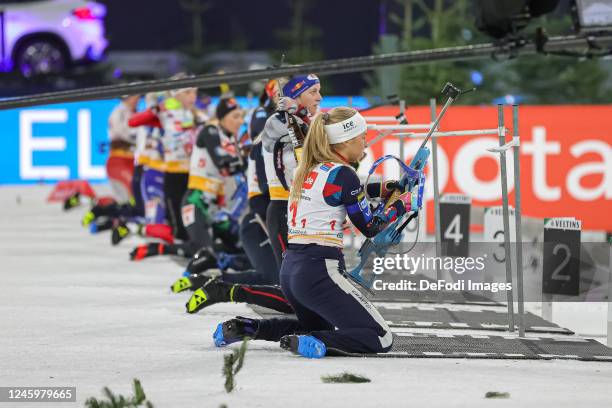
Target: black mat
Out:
[432,297]
[439,317]
[419,345]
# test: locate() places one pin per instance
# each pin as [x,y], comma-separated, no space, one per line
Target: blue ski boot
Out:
[307,346]
[235,330]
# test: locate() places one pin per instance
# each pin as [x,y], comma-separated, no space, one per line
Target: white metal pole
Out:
[397,126]
[517,221]
[402,154]
[380,118]
[474,132]
[436,188]
[506,216]
[547,307]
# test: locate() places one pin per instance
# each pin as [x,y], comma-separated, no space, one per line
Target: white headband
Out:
[347,129]
[174,92]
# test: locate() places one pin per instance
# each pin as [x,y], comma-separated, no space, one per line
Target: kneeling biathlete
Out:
[256,286]
[213,159]
[332,313]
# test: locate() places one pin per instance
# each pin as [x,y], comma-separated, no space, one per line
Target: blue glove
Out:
[224,260]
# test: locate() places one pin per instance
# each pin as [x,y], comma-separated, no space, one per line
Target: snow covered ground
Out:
[75,311]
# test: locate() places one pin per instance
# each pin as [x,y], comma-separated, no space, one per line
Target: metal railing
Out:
[500,131]
[336,66]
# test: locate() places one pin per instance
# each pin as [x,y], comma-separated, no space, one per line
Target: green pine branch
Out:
[344,378]
[232,364]
[119,401]
[497,394]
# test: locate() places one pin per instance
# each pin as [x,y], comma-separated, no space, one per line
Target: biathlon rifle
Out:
[239,198]
[413,176]
[293,128]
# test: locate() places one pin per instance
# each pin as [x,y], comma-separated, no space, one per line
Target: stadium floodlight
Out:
[593,15]
[504,18]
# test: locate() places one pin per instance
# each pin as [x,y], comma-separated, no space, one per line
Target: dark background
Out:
[348,28]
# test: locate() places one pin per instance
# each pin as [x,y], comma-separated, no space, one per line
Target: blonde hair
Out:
[317,148]
[212,121]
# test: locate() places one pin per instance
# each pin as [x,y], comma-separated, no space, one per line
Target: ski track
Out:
[76,312]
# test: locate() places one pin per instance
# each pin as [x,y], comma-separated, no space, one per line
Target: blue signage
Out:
[68,141]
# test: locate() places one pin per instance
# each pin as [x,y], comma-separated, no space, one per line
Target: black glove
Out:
[230,166]
[203,260]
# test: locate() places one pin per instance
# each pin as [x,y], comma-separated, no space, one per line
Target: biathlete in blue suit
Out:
[331,312]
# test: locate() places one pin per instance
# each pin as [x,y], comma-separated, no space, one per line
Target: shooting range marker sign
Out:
[494,224]
[561,274]
[494,229]
[455,224]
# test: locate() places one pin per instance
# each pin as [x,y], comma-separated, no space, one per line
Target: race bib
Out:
[188,213]
[151,209]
